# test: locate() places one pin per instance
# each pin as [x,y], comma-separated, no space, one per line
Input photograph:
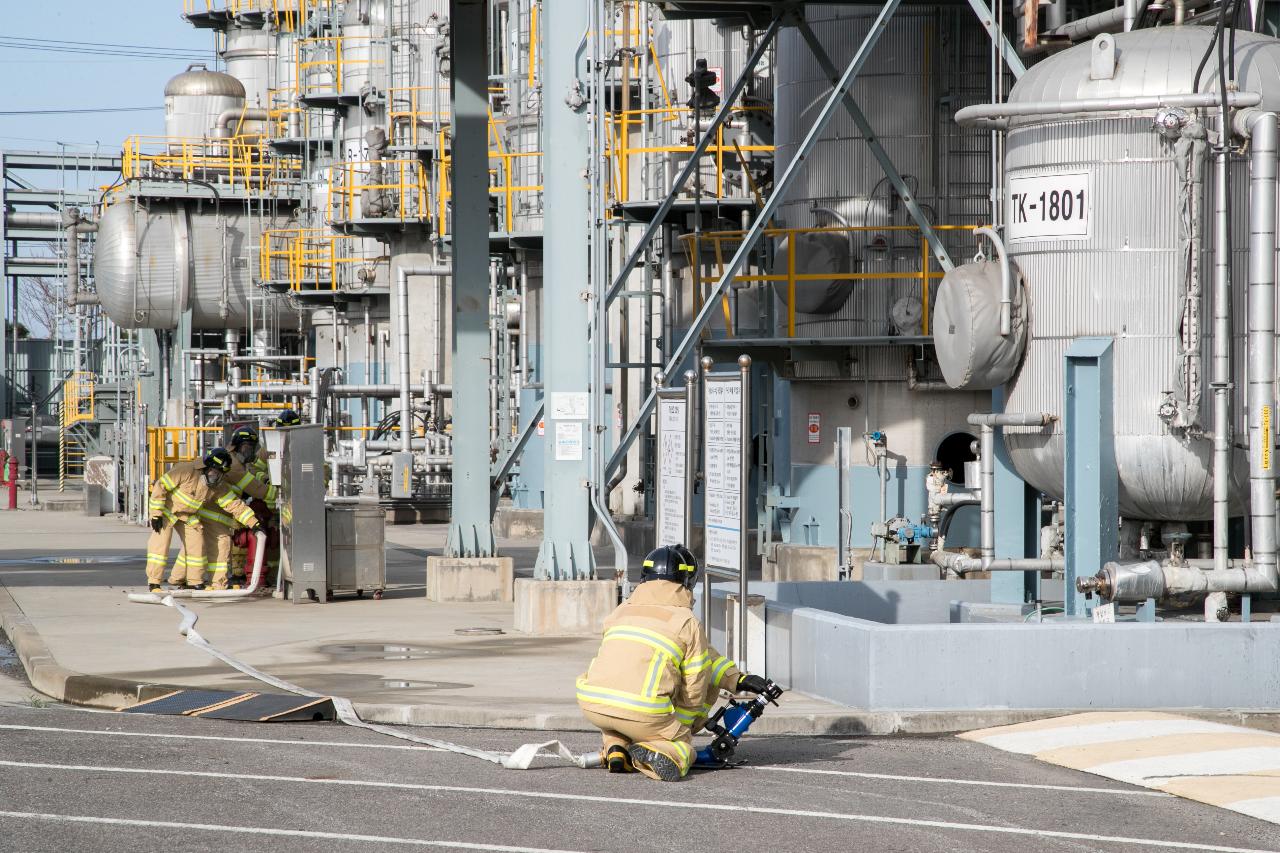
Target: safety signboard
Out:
[722,436]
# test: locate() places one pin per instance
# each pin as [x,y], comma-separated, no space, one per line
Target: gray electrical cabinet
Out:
[303,551]
[357,547]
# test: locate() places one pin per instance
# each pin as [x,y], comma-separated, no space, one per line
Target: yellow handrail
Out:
[246,160]
[77,398]
[401,185]
[411,107]
[790,277]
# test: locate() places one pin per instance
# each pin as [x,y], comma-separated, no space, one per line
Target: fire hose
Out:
[521,759]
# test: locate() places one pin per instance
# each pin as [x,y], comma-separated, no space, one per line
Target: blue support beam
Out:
[566,365]
[471,522]
[1092,503]
[1017,524]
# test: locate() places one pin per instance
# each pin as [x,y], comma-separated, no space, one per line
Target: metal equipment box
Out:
[357,547]
[14,436]
[303,555]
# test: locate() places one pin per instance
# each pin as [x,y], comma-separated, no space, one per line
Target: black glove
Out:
[157,523]
[752,683]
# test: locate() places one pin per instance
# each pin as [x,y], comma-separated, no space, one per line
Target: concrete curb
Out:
[97,691]
[65,685]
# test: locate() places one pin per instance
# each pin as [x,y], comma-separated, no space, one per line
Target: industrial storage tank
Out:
[154,262]
[249,54]
[364,43]
[194,99]
[1099,224]
[879,386]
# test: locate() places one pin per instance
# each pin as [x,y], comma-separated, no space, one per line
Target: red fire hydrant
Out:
[13,483]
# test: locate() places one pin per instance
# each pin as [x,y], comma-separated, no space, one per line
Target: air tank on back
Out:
[194,99]
[1100,213]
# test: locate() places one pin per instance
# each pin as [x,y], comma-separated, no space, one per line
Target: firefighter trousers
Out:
[217,556]
[665,734]
[191,565]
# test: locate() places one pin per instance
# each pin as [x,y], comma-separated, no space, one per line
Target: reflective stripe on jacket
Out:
[654,660]
[245,481]
[181,493]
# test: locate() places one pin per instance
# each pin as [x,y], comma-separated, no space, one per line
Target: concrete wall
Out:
[876,666]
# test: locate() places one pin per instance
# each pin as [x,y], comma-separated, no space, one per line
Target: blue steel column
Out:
[1017,523]
[470,527]
[566,550]
[1092,505]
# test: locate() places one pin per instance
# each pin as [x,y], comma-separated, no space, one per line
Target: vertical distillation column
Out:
[470,528]
[566,551]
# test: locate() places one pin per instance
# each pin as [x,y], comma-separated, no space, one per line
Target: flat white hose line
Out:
[521,759]
[259,552]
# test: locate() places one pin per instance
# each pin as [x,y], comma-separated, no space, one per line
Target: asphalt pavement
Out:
[73,779]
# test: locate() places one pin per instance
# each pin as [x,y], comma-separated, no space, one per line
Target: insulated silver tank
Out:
[249,58]
[364,46]
[908,102]
[152,264]
[843,185]
[1095,221]
[194,99]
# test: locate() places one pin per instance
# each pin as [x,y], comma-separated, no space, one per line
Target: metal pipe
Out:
[75,227]
[1221,367]
[997,113]
[222,124]
[987,490]
[1265,144]
[1130,14]
[402,316]
[987,452]
[35,221]
[1006,279]
[1113,19]
[963,564]
[222,389]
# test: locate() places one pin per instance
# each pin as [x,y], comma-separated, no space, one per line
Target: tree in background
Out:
[42,306]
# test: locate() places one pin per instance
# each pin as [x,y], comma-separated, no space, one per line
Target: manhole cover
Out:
[394,684]
[70,561]
[377,651]
[478,632]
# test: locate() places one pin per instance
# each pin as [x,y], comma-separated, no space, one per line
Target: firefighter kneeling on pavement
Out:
[656,678]
[175,504]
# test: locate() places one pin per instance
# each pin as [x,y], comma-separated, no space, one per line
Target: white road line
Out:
[349,744]
[289,833]
[663,804]
[153,735]
[945,781]
[1042,740]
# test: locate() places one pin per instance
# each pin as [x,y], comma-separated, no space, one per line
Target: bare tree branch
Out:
[42,306]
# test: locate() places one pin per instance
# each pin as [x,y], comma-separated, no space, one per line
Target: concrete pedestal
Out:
[807,563]
[470,579]
[563,607]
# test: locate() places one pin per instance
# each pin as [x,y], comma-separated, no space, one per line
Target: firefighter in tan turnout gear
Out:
[217,523]
[175,504]
[656,678]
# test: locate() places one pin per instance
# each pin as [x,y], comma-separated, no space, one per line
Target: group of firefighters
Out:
[649,689]
[204,502]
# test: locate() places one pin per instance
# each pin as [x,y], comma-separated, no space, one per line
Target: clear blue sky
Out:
[48,79]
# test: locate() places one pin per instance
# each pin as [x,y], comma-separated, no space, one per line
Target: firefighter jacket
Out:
[655,661]
[181,493]
[245,485]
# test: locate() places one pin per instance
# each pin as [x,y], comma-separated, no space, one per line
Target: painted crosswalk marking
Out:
[1227,766]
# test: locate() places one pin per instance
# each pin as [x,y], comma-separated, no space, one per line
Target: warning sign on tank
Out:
[1049,207]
